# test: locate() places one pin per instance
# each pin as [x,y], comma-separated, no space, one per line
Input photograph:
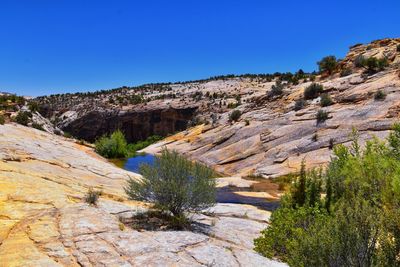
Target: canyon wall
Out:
[136,125]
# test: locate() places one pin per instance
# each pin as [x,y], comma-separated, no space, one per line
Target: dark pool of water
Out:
[133,164]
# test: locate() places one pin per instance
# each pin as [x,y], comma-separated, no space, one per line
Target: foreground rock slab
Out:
[45,222]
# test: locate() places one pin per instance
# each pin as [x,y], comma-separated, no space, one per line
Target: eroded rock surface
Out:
[45,222]
[271,138]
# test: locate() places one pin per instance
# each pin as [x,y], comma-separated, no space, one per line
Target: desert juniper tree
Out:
[174,184]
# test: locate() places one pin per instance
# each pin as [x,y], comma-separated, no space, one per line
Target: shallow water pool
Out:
[133,164]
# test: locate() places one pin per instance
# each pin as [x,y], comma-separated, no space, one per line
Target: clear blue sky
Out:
[54,46]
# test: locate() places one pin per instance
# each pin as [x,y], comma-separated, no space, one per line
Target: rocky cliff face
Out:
[44,220]
[135,124]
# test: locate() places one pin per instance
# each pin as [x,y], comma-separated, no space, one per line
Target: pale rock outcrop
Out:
[44,220]
[275,138]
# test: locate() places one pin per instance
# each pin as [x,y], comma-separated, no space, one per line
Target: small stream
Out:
[224,194]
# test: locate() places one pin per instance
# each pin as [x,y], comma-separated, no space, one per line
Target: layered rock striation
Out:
[44,220]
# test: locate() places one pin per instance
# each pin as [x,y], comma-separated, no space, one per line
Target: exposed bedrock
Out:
[136,125]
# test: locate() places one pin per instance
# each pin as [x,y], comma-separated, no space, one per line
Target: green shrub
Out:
[359,61]
[33,106]
[314,137]
[328,64]
[277,88]
[299,104]
[174,184]
[113,146]
[233,105]
[326,100]
[398,48]
[67,135]
[2,119]
[313,91]
[235,115]
[321,116]
[37,126]
[380,95]
[132,148]
[23,117]
[346,215]
[92,196]
[374,65]
[346,72]
[331,143]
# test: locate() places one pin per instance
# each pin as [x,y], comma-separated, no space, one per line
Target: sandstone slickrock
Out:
[45,222]
[271,138]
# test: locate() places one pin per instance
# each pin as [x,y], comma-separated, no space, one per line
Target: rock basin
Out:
[44,220]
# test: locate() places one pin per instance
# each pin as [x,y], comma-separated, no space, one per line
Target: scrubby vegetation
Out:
[277,89]
[8,101]
[371,64]
[23,117]
[37,126]
[145,143]
[175,185]
[299,104]
[359,61]
[398,48]
[326,100]
[321,116]
[328,64]
[346,72]
[235,115]
[92,196]
[345,215]
[374,65]
[115,145]
[380,95]
[2,119]
[313,91]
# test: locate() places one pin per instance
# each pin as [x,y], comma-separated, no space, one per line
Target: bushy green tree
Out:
[174,184]
[351,216]
[328,64]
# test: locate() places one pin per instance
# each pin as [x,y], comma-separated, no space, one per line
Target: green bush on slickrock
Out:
[313,91]
[328,64]
[321,116]
[175,185]
[345,215]
[235,115]
[113,146]
[326,100]
[23,117]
